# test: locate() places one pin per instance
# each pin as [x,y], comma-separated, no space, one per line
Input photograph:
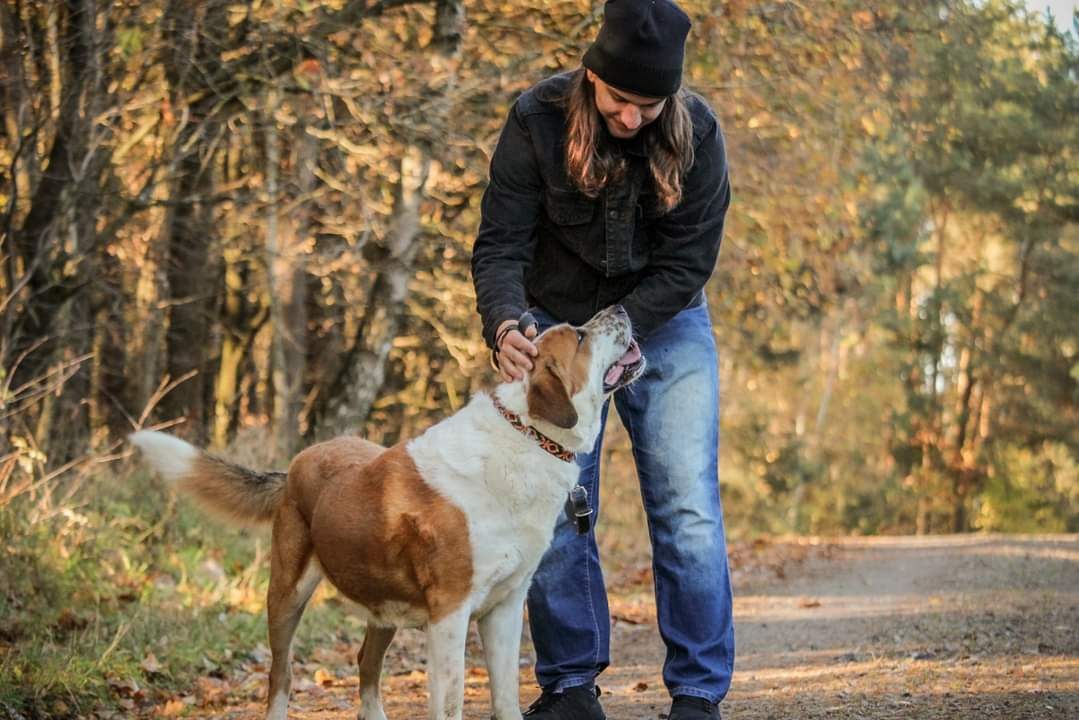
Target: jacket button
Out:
[613,213]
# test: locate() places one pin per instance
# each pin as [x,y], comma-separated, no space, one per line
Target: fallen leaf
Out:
[171,709]
[150,664]
[633,612]
[324,677]
[69,621]
[124,688]
[863,19]
[641,686]
[260,654]
[211,691]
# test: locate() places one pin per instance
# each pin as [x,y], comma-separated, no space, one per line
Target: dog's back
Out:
[313,469]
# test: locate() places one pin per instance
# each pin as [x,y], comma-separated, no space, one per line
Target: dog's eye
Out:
[580,336]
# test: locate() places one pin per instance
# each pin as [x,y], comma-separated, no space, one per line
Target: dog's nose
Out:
[619,310]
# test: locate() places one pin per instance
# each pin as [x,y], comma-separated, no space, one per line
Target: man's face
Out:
[624,112]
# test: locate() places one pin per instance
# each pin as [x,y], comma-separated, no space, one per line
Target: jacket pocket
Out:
[640,248]
[648,208]
[566,207]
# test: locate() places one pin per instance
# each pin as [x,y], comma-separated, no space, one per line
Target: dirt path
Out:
[940,627]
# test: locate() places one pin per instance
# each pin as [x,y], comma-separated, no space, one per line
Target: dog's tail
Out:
[223,487]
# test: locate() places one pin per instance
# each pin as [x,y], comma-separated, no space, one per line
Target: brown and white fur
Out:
[431,532]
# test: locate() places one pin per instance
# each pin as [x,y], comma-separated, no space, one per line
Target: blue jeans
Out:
[672,416]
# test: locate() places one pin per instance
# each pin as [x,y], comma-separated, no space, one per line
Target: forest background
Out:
[251,222]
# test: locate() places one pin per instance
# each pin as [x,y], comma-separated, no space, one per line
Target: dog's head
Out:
[577,367]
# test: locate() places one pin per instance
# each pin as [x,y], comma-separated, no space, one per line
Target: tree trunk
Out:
[233,318]
[285,262]
[240,318]
[354,390]
[187,239]
[44,267]
[16,110]
[293,286]
[347,400]
[196,35]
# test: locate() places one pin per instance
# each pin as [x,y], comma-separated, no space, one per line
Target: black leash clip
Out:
[578,510]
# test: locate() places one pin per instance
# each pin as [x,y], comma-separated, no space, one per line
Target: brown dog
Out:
[432,532]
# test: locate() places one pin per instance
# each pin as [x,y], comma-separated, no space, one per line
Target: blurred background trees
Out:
[251,221]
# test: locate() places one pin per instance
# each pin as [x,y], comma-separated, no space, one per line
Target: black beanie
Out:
[640,46]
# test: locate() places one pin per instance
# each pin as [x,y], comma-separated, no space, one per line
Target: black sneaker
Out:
[687,707]
[575,703]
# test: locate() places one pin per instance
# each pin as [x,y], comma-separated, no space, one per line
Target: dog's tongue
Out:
[633,354]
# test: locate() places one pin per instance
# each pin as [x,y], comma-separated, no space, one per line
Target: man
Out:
[609,186]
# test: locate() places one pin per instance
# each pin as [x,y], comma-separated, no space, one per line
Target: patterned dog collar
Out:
[544,442]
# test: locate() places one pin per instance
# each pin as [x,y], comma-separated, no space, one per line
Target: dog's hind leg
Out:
[294,575]
[375,642]
[446,665]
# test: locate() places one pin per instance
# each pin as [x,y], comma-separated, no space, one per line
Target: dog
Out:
[431,532]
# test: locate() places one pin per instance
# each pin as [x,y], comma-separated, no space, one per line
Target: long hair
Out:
[592,165]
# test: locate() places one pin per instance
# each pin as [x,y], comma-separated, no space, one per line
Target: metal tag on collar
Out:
[578,510]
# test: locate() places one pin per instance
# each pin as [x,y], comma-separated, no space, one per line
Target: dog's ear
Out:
[548,396]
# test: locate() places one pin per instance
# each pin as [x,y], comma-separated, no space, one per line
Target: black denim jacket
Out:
[542,242]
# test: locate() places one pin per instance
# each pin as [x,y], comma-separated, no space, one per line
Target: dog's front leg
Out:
[500,630]
[446,665]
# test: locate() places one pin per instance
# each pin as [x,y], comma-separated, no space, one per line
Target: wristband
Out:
[526,321]
[498,341]
[503,333]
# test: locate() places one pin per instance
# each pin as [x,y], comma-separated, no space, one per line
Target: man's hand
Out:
[515,351]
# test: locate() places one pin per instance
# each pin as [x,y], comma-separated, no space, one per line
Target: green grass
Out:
[90,592]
